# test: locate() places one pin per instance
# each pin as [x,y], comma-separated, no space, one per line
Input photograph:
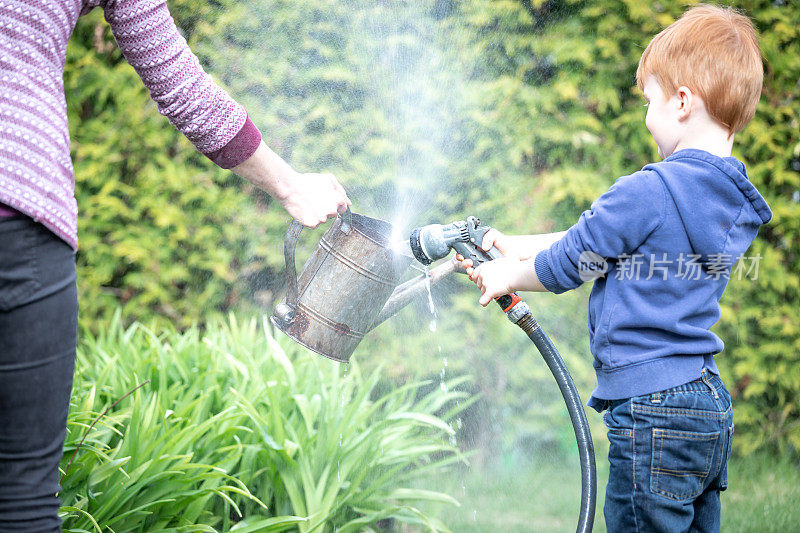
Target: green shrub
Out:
[235,431]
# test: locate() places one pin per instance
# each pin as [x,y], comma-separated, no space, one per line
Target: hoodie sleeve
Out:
[617,223]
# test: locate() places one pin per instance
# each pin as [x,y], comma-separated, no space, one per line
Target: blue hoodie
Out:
[666,238]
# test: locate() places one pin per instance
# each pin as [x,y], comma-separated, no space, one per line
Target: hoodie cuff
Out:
[545,273]
[239,149]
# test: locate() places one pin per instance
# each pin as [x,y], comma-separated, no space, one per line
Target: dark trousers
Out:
[38,335]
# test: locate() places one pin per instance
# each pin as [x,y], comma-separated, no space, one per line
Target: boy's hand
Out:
[496,278]
[504,243]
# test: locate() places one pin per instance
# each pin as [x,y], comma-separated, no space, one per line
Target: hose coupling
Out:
[518,312]
[527,323]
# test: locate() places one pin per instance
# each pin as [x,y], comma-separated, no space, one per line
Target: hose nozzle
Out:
[434,241]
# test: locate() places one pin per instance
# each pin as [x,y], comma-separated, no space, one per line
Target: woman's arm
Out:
[213,121]
[184,93]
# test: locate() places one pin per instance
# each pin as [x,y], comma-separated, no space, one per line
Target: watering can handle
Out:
[289,244]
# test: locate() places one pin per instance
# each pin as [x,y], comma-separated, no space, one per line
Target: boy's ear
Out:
[685,101]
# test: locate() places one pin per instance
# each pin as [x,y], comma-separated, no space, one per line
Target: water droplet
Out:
[443,386]
[432,325]
[459,423]
[474,515]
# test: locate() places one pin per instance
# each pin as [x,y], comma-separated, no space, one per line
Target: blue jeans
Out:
[668,458]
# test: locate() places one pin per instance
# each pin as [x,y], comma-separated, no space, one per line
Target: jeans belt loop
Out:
[655,397]
[707,380]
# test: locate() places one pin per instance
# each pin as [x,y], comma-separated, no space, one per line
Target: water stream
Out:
[432,326]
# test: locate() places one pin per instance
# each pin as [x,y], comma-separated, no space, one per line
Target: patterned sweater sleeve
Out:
[215,124]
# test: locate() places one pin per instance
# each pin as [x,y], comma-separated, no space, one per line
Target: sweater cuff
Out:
[545,273]
[240,148]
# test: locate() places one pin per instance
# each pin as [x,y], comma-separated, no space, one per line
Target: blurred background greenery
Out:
[520,112]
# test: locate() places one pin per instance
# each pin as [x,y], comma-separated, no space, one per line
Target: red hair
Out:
[714,52]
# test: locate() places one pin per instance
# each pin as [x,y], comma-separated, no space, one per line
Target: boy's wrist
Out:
[524,276]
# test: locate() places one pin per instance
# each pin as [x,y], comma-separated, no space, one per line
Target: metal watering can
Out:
[348,286]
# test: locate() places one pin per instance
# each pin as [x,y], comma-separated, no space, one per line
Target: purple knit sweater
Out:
[36,174]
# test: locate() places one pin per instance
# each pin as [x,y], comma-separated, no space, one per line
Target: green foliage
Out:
[763,496]
[518,111]
[234,431]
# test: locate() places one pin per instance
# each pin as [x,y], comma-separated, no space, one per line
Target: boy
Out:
[660,245]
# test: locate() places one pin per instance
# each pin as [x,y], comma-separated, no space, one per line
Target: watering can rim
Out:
[364,225]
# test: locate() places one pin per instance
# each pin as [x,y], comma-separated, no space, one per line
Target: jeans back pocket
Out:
[681,462]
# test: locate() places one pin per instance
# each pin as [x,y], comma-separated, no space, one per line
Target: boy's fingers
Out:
[459,257]
[489,238]
[484,301]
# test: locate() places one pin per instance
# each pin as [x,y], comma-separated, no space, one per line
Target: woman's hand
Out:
[314,198]
[310,198]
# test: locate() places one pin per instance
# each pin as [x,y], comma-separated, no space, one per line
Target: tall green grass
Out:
[237,431]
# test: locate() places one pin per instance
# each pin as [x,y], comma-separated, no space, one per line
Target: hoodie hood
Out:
[720,209]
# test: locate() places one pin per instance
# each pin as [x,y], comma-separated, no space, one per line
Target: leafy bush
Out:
[234,432]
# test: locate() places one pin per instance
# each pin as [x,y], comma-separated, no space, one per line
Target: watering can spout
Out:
[413,289]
